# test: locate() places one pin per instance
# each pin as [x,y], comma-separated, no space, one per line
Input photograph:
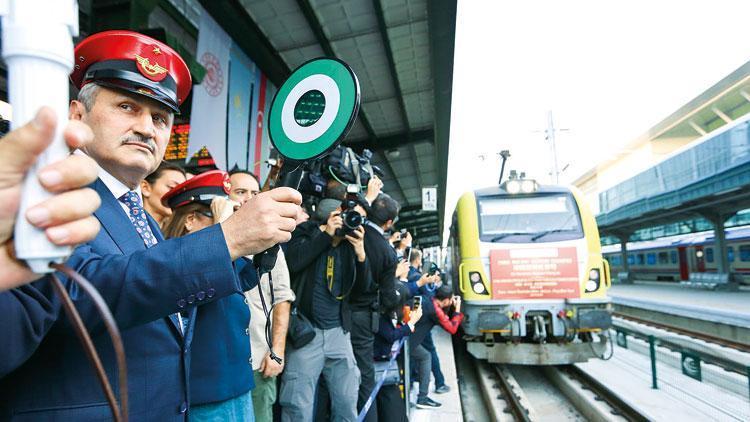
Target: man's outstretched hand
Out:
[66,217]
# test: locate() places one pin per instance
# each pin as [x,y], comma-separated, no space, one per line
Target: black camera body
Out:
[351,218]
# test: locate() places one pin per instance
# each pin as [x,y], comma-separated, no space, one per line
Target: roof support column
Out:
[720,240]
[624,237]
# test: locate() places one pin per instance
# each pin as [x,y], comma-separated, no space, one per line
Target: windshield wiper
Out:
[504,235]
[545,233]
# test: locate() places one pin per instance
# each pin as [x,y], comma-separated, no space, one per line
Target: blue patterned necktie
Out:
[137,216]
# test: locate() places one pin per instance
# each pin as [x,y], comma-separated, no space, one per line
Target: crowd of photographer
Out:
[207,335]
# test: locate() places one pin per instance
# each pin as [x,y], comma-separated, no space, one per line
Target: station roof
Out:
[402,53]
[722,103]
[705,170]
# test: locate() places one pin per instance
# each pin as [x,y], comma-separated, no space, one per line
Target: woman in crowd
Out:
[158,183]
[221,373]
[396,322]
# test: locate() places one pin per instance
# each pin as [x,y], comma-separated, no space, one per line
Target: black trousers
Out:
[363,340]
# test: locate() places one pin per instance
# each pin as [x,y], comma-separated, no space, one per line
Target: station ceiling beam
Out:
[240,26]
[395,141]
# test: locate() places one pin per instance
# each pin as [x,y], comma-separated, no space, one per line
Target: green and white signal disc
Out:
[314,109]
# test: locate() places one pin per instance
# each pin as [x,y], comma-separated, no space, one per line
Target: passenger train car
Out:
[673,258]
[529,267]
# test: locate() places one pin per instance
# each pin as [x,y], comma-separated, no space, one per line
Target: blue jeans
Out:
[429,344]
[238,409]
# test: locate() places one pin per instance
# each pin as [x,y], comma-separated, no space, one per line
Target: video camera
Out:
[341,165]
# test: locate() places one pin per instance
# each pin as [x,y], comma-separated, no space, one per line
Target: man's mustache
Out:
[140,139]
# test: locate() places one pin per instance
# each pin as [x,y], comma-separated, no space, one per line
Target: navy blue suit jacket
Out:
[143,288]
[220,364]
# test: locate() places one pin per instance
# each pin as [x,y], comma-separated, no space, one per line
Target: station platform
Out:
[450,411]
[731,308]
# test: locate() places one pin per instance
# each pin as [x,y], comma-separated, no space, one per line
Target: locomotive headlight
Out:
[528,186]
[594,274]
[592,286]
[513,186]
[476,283]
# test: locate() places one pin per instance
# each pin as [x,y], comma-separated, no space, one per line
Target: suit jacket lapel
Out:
[116,222]
[120,229]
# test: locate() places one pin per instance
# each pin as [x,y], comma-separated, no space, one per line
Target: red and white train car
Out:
[673,258]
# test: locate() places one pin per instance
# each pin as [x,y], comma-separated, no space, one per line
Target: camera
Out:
[351,218]
[434,269]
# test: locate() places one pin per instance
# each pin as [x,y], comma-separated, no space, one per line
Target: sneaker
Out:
[442,389]
[427,403]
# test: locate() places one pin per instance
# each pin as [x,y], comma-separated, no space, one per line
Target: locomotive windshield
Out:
[529,218]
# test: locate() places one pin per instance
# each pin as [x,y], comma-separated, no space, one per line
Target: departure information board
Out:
[178,145]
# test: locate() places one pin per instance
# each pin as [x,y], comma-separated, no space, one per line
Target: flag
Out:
[241,92]
[208,116]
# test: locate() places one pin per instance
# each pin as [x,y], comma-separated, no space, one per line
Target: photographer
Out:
[383,211]
[426,285]
[436,311]
[415,280]
[328,268]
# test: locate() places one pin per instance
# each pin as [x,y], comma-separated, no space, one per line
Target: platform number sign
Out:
[429,199]
[691,365]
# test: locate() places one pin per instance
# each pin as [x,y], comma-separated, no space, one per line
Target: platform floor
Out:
[451,409]
[730,303]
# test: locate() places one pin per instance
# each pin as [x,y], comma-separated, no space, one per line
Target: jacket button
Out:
[191,299]
[246,302]
[250,361]
[200,295]
[183,407]
[247,331]
[181,303]
[211,293]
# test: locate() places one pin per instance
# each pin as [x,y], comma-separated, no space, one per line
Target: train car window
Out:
[639,259]
[709,254]
[744,253]
[673,256]
[615,260]
[529,218]
[730,253]
[651,258]
[663,258]
[631,259]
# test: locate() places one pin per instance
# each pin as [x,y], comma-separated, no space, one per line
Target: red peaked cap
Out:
[202,189]
[133,62]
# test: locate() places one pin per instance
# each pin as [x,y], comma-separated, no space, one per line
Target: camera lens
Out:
[352,219]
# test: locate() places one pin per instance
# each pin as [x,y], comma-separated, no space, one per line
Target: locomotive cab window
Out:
[529,218]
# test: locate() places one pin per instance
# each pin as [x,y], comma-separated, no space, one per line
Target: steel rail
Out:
[515,408]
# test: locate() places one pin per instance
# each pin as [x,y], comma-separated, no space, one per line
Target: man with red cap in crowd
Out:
[130,88]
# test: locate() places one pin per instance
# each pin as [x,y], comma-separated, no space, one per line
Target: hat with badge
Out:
[201,189]
[132,62]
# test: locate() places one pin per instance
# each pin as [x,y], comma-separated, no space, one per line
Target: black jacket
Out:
[306,245]
[382,259]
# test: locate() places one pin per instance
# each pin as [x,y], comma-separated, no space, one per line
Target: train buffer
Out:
[713,281]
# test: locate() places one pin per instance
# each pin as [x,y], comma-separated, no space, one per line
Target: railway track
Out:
[529,393]
[686,332]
